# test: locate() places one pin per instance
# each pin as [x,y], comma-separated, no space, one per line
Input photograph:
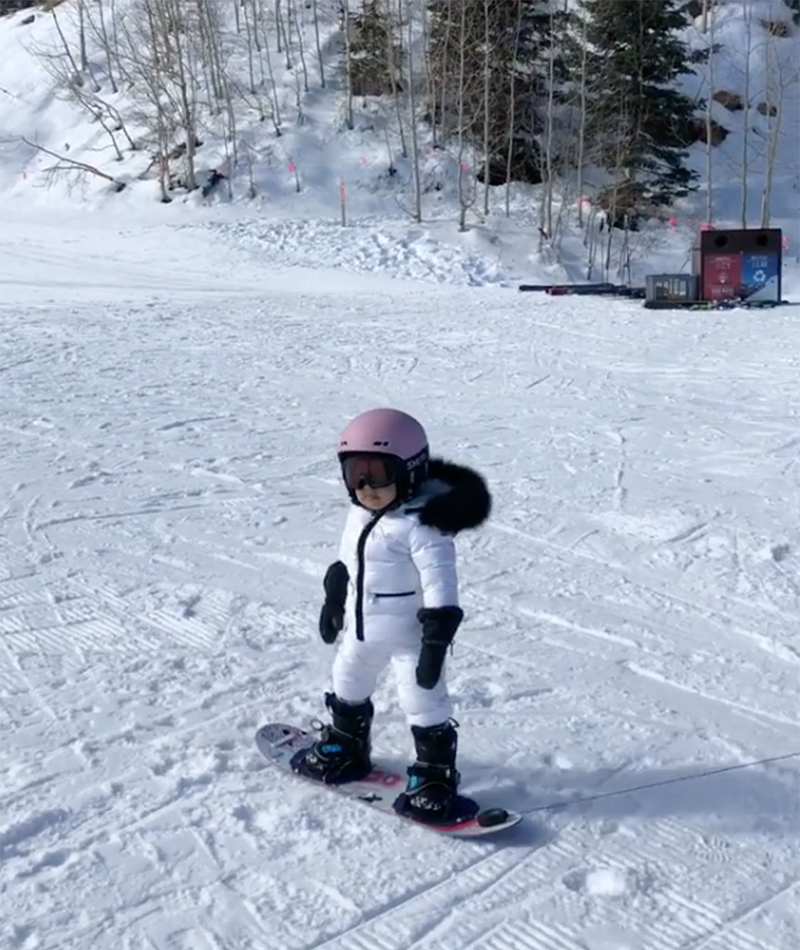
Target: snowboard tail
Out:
[280,742]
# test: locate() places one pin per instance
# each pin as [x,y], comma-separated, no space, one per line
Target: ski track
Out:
[171,507]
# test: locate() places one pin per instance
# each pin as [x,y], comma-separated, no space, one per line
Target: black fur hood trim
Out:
[460,500]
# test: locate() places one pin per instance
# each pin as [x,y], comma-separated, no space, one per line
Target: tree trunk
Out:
[486,83]
[582,126]
[430,87]
[774,98]
[348,64]
[413,121]
[82,34]
[547,217]
[106,46]
[748,18]
[292,12]
[70,57]
[463,203]
[319,48]
[512,108]
[393,75]
[709,127]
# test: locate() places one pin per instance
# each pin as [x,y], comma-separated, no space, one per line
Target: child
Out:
[394,593]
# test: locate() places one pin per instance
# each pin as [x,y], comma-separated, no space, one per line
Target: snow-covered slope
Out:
[170,501]
[172,379]
[319,153]
[768,76]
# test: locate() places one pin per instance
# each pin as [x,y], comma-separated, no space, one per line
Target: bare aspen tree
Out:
[251,42]
[487,76]
[81,7]
[582,98]
[779,80]
[412,103]
[210,84]
[248,151]
[84,97]
[625,132]
[747,11]
[546,207]
[211,55]
[77,16]
[449,52]
[113,18]
[709,121]
[348,64]
[250,13]
[136,33]
[105,44]
[430,89]
[172,20]
[211,49]
[298,98]
[160,48]
[60,64]
[512,105]
[276,106]
[293,18]
[319,48]
[75,71]
[253,35]
[393,70]
[283,39]
[466,198]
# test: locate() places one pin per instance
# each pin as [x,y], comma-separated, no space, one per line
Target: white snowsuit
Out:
[395,565]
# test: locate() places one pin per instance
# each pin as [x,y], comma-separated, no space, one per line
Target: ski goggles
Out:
[368,471]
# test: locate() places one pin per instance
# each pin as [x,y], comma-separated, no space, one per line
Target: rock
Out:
[696,131]
[730,100]
[779,28]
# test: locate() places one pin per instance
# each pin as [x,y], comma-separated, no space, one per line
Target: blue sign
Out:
[760,276]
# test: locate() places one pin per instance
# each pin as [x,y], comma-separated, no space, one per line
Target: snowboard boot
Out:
[433,779]
[341,754]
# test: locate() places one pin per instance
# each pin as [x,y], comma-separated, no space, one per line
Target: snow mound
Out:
[393,248]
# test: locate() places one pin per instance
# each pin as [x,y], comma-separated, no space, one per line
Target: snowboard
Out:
[278,742]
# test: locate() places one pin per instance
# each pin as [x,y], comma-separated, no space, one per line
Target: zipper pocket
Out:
[405,593]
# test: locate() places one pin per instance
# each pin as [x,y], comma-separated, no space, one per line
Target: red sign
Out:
[722,276]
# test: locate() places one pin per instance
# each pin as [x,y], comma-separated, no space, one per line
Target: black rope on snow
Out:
[667,781]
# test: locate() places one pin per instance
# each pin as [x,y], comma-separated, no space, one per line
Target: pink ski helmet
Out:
[392,433]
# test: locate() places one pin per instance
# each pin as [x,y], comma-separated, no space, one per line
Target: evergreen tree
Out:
[374,67]
[637,122]
[504,44]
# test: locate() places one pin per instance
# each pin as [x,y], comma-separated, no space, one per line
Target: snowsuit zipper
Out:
[362,543]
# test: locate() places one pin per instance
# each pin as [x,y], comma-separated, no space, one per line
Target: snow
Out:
[172,380]
[170,504]
[317,152]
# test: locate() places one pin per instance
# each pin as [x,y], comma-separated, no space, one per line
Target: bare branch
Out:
[72,163]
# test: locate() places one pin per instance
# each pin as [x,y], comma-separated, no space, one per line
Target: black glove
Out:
[331,617]
[439,625]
